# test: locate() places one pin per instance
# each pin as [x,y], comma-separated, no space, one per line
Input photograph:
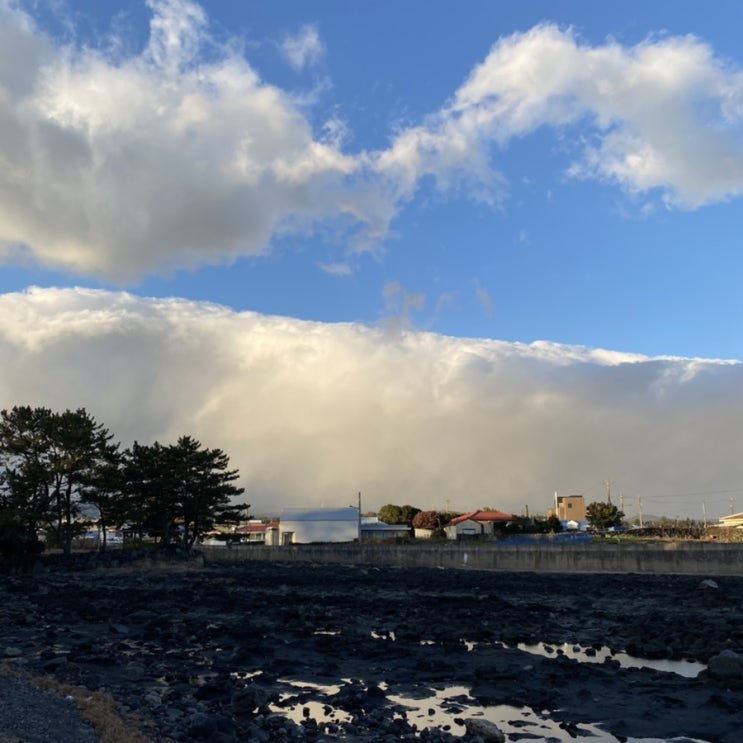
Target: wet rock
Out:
[350,697]
[218,688]
[53,664]
[487,731]
[654,648]
[249,700]
[211,727]
[726,665]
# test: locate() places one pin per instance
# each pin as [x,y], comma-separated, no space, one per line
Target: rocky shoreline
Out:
[266,652]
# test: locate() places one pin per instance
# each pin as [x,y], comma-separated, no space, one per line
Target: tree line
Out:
[601,515]
[56,465]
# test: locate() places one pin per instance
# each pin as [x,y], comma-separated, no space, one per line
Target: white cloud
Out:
[484,299]
[337,268]
[304,48]
[181,156]
[118,169]
[665,114]
[399,306]
[312,413]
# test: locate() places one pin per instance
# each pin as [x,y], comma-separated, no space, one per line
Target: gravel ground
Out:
[34,715]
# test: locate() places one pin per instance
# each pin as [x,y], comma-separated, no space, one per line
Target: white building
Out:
[373,528]
[733,521]
[306,525]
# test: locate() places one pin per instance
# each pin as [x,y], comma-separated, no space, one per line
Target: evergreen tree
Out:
[104,488]
[26,503]
[603,515]
[390,514]
[76,444]
[181,486]
[393,514]
[205,487]
[150,492]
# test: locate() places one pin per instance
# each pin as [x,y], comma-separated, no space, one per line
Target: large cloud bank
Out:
[181,155]
[313,413]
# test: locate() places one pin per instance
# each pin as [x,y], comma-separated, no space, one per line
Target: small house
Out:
[256,531]
[476,524]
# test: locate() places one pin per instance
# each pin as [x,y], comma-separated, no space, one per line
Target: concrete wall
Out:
[690,558]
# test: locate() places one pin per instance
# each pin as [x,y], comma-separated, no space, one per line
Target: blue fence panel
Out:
[546,539]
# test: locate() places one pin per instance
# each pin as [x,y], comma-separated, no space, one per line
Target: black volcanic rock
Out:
[302,652]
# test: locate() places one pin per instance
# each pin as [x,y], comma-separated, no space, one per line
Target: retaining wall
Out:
[688,558]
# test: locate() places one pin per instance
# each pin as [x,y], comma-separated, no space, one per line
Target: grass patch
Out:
[98,709]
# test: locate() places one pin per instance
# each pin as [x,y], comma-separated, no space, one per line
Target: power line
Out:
[700,492]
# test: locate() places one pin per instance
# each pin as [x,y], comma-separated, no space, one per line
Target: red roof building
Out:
[256,531]
[476,524]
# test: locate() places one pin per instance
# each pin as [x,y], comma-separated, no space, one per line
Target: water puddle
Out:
[318,711]
[301,702]
[686,668]
[439,711]
[384,635]
[438,708]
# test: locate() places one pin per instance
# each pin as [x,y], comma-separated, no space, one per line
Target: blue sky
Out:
[554,182]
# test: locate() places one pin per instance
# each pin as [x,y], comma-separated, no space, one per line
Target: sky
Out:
[455,255]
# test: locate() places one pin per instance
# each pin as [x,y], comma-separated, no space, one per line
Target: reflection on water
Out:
[439,710]
[439,707]
[386,635]
[687,668]
[297,706]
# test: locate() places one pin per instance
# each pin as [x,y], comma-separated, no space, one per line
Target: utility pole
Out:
[621,502]
[732,505]
[359,517]
[704,512]
[527,510]
[639,500]
[608,490]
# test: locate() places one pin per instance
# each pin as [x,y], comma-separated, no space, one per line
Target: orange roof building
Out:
[476,524]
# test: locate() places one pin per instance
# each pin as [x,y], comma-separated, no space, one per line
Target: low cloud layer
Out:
[181,155]
[312,413]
